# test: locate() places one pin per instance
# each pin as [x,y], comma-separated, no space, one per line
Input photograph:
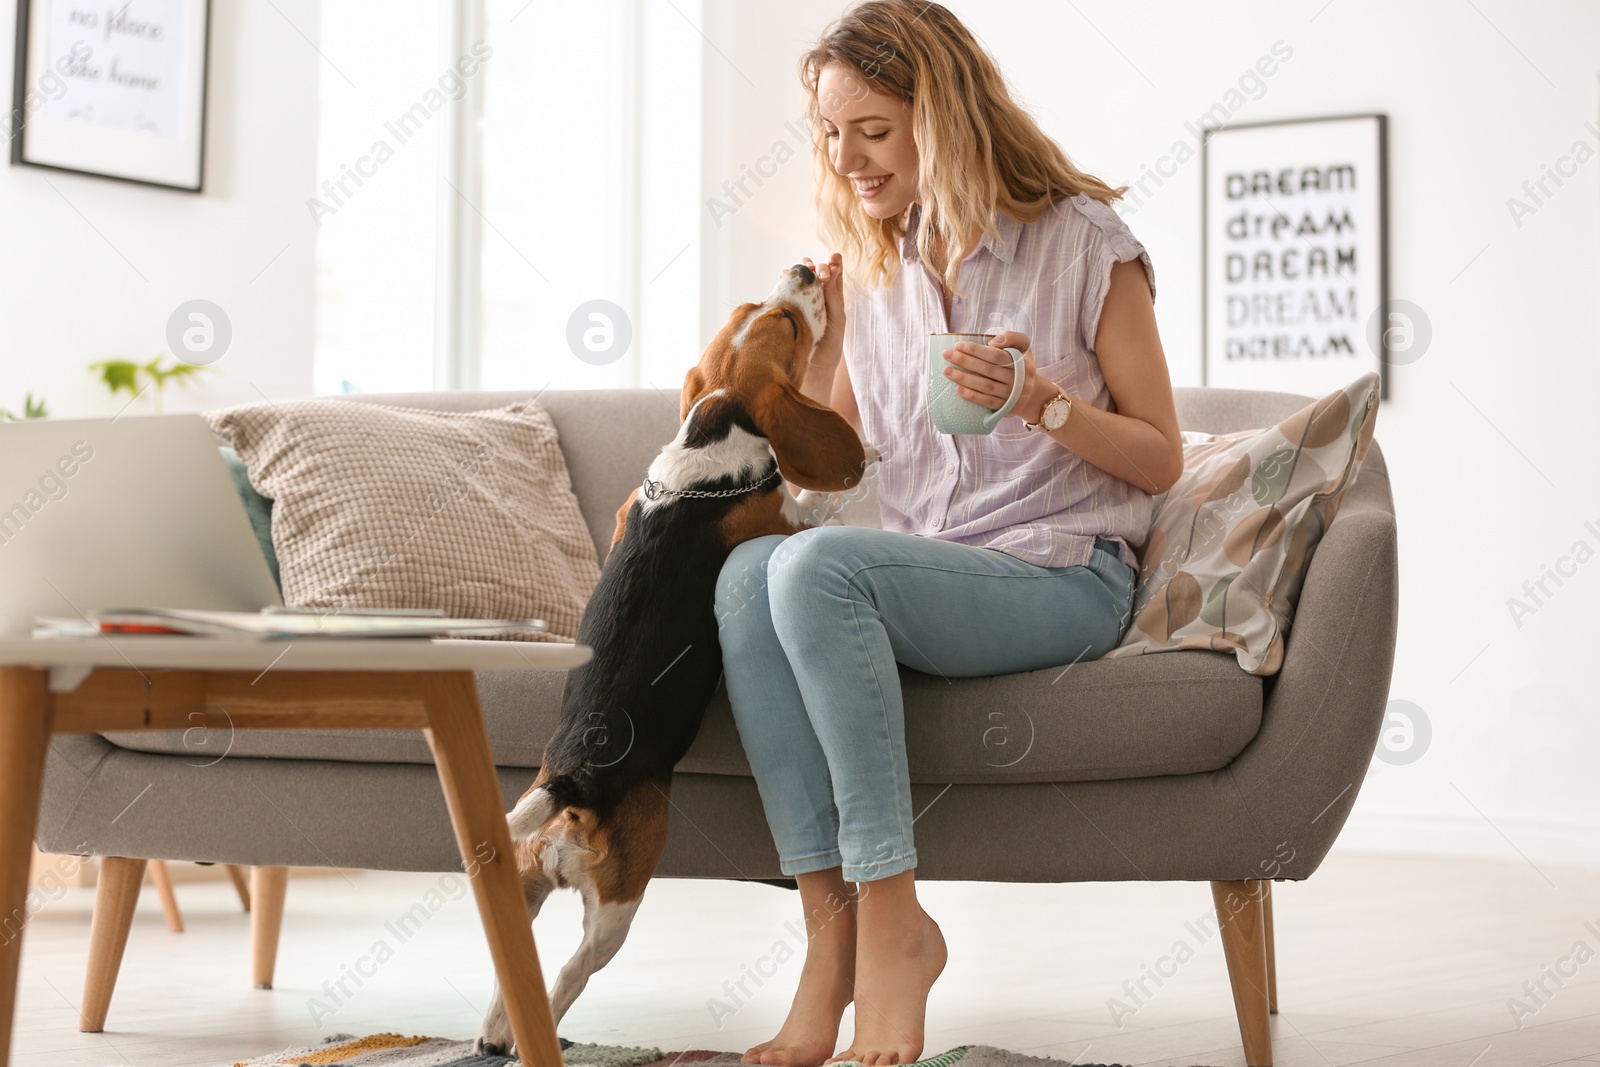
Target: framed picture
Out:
[116,90]
[1295,254]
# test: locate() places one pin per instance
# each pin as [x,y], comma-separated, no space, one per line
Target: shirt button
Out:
[1082,199]
[950,468]
[937,523]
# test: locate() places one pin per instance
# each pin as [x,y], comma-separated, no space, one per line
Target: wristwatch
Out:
[1054,414]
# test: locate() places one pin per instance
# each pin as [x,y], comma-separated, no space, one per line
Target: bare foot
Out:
[811,1031]
[899,954]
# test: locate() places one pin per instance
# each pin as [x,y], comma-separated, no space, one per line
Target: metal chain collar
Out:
[654,490]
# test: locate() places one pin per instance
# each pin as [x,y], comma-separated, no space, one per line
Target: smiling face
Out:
[869,140]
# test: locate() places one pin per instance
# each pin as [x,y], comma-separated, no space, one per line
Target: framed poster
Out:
[1295,254]
[115,90]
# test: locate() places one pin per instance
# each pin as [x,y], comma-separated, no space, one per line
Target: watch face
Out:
[1055,413]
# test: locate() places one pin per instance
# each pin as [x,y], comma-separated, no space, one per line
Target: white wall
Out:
[1485,435]
[756,168]
[91,268]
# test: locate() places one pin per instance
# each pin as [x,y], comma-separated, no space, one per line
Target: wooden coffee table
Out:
[156,683]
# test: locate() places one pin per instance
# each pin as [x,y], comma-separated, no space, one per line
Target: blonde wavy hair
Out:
[979,150]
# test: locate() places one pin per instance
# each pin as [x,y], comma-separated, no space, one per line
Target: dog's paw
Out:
[495,1037]
[811,508]
[807,499]
[490,1047]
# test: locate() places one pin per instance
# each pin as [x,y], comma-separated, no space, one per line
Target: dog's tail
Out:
[538,806]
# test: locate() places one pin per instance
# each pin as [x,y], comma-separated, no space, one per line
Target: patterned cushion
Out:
[1230,542]
[469,512]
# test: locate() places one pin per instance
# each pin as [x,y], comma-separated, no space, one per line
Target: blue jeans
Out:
[812,626]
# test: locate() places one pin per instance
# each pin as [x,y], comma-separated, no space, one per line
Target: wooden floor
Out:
[1407,962]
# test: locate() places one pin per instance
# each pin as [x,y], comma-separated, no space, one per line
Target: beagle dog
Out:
[595,819]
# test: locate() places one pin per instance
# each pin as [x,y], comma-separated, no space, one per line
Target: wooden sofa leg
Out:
[241,884]
[1272,955]
[169,899]
[115,895]
[268,885]
[1241,917]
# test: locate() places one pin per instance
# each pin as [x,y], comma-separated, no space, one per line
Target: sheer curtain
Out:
[576,195]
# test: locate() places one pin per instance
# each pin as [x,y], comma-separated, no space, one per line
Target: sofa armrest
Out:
[1299,778]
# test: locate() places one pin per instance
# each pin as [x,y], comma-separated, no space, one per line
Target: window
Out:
[518,206]
[375,227]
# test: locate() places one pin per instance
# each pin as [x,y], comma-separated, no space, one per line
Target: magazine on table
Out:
[278,624]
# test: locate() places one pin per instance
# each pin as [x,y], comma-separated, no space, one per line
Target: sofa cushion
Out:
[1153,715]
[609,437]
[471,513]
[257,507]
[1231,541]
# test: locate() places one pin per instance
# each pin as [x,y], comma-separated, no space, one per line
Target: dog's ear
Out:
[816,448]
[694,383]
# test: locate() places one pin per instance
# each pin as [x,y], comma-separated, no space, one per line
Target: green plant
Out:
[120,374]
[31,409]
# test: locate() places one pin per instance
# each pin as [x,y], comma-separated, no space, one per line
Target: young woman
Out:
[1000,553]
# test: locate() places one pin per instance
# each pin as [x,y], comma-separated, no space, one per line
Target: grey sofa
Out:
[1176,766]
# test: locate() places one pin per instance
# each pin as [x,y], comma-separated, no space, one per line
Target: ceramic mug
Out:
[953,413]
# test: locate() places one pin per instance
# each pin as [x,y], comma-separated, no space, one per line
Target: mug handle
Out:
[1017,384]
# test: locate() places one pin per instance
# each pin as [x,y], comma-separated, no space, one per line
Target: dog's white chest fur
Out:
[740,455]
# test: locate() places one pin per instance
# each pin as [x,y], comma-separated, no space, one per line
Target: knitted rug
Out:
[396,1050]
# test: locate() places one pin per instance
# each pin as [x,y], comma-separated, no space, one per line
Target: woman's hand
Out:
[830,346]
[984,374]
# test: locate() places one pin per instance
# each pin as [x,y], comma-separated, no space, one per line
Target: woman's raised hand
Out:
[831,275]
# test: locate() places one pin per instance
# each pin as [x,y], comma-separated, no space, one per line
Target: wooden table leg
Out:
[24,736]
[461,751]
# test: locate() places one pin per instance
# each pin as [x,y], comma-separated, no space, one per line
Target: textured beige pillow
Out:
[1230,542]
[471,512]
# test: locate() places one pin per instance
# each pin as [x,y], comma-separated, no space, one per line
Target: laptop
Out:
[131,512]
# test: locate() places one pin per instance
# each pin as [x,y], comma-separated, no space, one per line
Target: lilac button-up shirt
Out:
[1015,490]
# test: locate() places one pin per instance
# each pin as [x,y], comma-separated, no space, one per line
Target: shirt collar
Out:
[1002,244]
